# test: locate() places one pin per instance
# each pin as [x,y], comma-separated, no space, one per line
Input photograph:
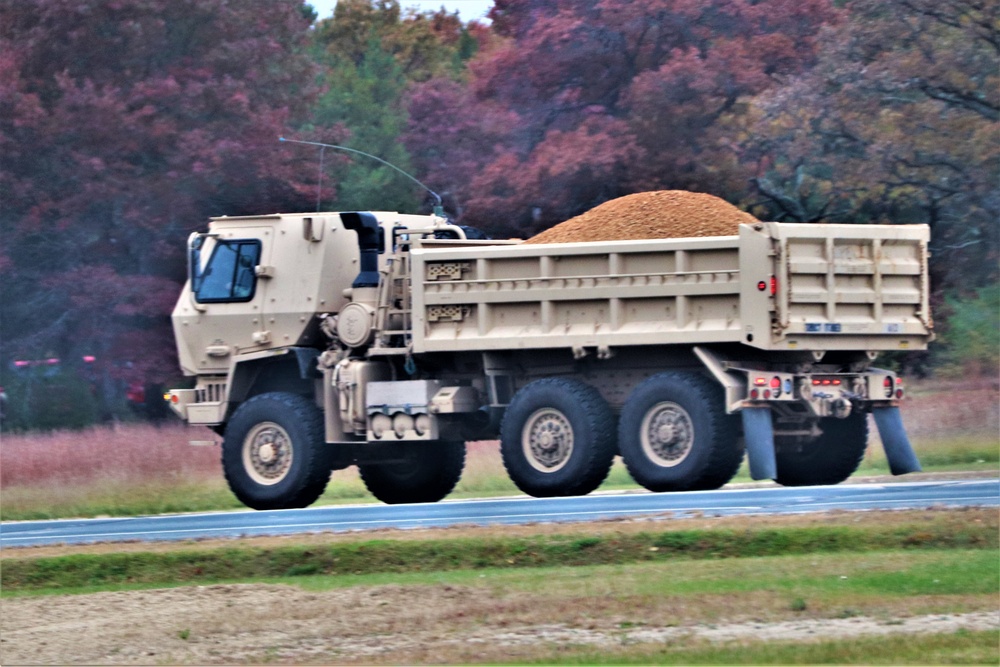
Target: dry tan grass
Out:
[123,453]
[935,409]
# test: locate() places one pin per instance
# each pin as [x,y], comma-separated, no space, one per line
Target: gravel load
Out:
[662,214]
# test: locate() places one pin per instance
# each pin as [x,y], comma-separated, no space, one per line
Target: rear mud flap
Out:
[759,435]
[898,449]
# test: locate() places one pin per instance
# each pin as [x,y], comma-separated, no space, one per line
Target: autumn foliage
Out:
[124,124]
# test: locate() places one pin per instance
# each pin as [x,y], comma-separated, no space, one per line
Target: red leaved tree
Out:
[124,124]
[604,97]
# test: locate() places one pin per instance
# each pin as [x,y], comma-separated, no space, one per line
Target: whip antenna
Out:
[438,210]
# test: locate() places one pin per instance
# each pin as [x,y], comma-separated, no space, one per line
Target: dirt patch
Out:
[662,214]
[242,624]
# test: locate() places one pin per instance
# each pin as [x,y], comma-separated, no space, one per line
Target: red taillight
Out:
[887,383]
[899,393]
[762,286]
[774,285]
[775,383]
[767,393]
[754,394]
[760,382]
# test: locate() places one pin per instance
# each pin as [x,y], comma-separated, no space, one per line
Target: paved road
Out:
[759,500]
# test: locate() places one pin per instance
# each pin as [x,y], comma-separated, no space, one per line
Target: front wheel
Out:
[827,459]
[274,453]
[427,473]
[674,434]
[557,438]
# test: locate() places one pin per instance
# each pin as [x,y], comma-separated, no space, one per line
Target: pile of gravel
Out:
[663,214]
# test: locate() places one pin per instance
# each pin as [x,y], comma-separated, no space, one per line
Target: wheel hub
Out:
[547,440]
[267,453]
[667,434]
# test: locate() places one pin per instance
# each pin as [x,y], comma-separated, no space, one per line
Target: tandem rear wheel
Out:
[557,438]
[674,434]
[827,459]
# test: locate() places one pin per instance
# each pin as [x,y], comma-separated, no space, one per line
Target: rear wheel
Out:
[827,459]
[557,438]
[675,435]
[274,454]
[428,473]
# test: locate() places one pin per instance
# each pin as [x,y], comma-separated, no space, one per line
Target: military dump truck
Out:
[387,341]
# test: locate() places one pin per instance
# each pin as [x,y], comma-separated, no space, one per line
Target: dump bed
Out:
[774,287]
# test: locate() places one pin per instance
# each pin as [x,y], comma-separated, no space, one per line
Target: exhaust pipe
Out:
[370,243]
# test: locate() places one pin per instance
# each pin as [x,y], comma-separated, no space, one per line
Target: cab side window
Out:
[229,275]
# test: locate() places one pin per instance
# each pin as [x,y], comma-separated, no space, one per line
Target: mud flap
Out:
[759,435]
[898,449]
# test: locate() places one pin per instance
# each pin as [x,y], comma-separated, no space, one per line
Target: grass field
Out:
[844,588]
[141,469]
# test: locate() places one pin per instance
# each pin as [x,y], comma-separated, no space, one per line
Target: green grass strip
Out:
[377,556]
[958,648]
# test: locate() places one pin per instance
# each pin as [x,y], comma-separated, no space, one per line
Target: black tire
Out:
[429,473]
[827,459]
[674,434]
[557,438]
[274,453]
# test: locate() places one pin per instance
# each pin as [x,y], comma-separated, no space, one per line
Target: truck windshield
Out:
[229,275]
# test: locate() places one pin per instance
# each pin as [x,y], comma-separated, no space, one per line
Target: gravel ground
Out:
[242,624]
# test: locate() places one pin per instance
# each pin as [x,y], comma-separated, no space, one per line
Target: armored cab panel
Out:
[260,281]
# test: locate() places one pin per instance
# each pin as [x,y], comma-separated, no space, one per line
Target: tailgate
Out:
[848,287]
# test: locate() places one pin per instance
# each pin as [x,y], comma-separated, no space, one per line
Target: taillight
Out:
[772,283]
[887,383]
[776,386]
[899,387]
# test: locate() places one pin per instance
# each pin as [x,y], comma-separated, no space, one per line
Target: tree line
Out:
[125,124]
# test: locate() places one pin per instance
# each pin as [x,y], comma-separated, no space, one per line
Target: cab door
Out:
[222,316]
